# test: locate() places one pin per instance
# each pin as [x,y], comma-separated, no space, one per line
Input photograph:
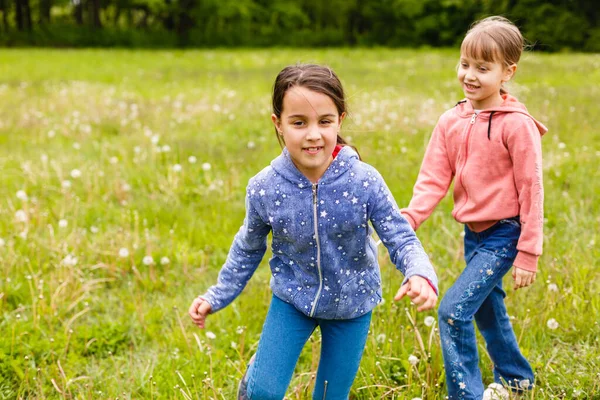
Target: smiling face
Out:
[309,125]
[482,80]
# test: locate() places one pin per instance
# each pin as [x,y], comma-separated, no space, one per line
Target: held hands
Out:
[420,292]
[198,311]
[522,277]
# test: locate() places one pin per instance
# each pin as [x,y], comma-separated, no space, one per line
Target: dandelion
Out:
[75,174]
[23,235]
[69,260]
[251,145]
[94,229]
[113,160]
[137,149]
[66,184]
[51,133]
[553,287]
[165,261]
[166,148]
[552,324]
[76,146]
[125,187]
[561,145]
[155,139]
[192,159]
[413,360]
[210,335]
[234,345]
[381,338]
[429,320]
[21,195]
[177,168]
[148,260]
[2,242]
[206,166]
[21,216]
[123,252]
[63,223]
[44,158]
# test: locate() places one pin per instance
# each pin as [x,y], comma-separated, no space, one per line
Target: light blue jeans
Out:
[477,294]
[284,334]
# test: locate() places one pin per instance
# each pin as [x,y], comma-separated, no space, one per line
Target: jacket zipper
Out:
[467,135]
[314,193]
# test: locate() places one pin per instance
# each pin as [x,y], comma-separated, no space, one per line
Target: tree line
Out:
[553,25]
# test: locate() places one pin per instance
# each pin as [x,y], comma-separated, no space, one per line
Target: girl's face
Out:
[309,125]
[481,80]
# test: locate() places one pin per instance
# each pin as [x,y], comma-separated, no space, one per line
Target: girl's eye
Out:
[297,123]
[326,122]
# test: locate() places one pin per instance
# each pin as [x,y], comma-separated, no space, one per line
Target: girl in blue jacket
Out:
[317,198]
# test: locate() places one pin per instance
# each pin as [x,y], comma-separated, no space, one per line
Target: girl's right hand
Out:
[198,311]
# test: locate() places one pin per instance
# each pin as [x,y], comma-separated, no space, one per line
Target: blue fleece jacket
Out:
[324,257]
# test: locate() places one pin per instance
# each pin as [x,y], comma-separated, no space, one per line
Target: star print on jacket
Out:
[324,256]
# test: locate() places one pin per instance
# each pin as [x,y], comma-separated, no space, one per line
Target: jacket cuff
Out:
[210,302]
[410,220]
[526,261]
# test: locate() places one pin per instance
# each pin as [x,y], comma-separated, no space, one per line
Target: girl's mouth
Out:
[312,150]
[471,87]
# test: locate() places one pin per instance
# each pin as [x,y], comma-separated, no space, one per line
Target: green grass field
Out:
[122,184]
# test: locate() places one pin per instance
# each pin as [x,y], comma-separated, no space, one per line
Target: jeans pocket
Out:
[511,221]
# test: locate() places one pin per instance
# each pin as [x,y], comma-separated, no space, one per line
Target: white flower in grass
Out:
[69,260]
[44,158]
[251,145]
[2,242]
[206,166]
[553,287]
[66,184]
[210,335]
[137,149]
[166,148]
[51,133]
[75,174]
[148,260]
[76,146]
[123,252]
[381,338]
[94,229]
[429,320]
[23,235]
[21,195]
[417,398]
[165,261]
[192,159]
[552,324]
[413,360]
[113,160]
[561,145]
[177,168]
[155,139]
[21,216]
[63,223]
[125,187]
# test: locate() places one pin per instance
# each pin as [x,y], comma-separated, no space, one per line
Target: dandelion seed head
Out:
[76,146]
[94,229]
[192,159]
[63,223]
[21,195]
[413,360]
[177,168]
[429,320]
[165,261]
[206,166]
[148,260]
[552,324]
[166,148]
[381,338]
[113,160]
[123,252]
[552,287]
[211,335]
[2,242]
[75,174]
[66,184]
[21,216]
[251,145]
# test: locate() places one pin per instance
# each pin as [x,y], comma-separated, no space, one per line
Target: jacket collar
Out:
[285,167]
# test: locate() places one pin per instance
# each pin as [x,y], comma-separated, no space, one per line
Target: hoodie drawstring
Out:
[490,124]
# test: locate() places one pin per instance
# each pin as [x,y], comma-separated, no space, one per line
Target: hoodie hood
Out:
[285,167]
[465,109]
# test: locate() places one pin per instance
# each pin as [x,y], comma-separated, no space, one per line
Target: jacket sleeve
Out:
[405,249]
[433,181]
[245,254]
[525,148]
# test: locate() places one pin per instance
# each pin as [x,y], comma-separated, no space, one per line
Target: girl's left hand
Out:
[420,292]
[522,277]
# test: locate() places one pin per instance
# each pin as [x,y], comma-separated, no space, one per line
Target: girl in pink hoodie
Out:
[490,145]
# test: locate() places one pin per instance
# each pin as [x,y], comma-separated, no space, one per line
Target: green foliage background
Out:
[100,142]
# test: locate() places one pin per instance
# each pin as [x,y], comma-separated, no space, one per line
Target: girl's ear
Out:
[509,72]
[342,117]
[277,123]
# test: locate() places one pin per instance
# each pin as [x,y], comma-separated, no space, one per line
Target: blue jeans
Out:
[284,334]
[477,294]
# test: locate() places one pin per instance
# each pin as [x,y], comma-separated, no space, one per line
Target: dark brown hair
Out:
[318,78]
[494,39]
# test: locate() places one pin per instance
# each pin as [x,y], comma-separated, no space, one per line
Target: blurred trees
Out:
[551,25]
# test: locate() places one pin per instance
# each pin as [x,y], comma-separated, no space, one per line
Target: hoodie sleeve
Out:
[525,148]
[245,254]
[405,249]
[433,181]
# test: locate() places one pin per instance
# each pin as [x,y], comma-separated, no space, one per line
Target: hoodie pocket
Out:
[358,295]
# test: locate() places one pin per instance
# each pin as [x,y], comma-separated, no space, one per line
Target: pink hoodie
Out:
[496,157]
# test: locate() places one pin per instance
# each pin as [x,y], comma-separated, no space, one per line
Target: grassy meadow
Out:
[122,185]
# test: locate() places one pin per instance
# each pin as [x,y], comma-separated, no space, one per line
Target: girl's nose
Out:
[313,132]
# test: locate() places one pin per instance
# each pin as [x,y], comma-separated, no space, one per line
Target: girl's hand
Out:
[420,292]
[522,277]
[198,311]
